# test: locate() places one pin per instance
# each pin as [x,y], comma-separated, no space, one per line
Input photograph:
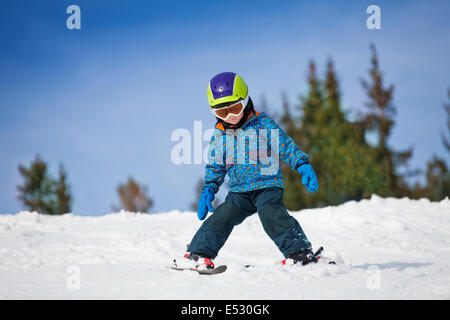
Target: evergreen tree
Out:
[335,114]
[380,119]
[292,196]
[437,175]
[37,191]
[445,140]
[311,106]
[343,161]
[303,131]
[314,137]
[333,142]
[437,184]
[438,179]
[62,191]
[350,168]
[41,193]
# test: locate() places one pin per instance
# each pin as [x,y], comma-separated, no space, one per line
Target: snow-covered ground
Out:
[386,249]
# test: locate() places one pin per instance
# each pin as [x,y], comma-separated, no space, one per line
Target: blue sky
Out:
[105,99]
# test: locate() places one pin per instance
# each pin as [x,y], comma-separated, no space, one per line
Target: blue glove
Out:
[309,178]
[205,203]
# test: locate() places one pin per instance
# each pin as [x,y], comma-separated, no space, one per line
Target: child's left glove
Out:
[309,178]
[205,203]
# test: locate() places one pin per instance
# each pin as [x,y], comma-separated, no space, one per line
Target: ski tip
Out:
[216,270]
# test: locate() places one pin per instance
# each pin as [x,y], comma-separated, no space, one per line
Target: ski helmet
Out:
[226,87]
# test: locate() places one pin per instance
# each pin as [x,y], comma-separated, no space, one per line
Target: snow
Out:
[386,248]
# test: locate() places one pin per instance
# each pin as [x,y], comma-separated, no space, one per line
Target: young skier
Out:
[256,183]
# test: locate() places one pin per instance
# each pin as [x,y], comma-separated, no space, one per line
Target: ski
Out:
[216,270]
[317,256]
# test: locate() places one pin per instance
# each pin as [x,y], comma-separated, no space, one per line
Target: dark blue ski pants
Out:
[283,229]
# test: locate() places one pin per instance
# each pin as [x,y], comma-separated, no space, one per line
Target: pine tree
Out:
[292,197]
[307,134]
[300,130]
[438,179]
[437,175]
[37,191]
[336,116]
[445,140]
[333,142]
[344,162]
[380,119]
[355,168]
[41,193]
[311,106]
[62,191]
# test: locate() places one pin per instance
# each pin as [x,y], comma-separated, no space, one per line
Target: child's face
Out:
[234,119]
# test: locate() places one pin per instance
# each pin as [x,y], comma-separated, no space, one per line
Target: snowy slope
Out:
[387,249]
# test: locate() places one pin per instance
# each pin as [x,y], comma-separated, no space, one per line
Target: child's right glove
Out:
[205,203]
[309,178]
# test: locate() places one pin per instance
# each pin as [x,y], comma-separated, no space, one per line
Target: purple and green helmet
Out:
[226,87]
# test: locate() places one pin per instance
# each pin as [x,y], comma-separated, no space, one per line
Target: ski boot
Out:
[194,262]
[303,257]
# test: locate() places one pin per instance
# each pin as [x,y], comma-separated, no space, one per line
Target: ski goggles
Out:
[234,109]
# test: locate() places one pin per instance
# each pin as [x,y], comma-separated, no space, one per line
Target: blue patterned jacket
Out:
[250,155]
